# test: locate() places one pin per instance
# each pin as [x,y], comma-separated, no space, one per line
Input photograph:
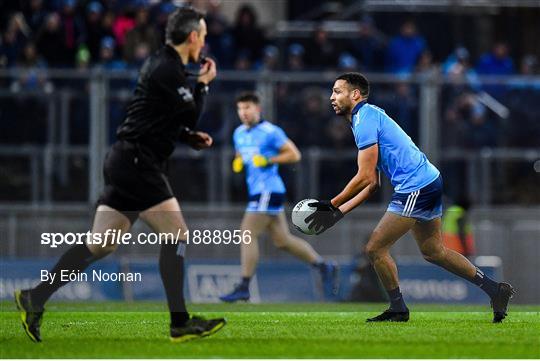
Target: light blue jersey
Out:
[399,158]
[266,139]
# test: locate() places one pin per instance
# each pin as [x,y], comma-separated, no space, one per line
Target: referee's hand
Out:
[208,71]
[199,140]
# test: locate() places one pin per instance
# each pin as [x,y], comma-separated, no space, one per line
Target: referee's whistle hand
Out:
[208,71]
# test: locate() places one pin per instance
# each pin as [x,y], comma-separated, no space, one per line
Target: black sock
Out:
[396,300]
[244,284]
[171,268]
[488,285]
[76,259]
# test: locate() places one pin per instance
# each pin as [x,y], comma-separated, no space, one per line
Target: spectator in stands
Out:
[405,49]
[107,59]
[524,104]
[219,39]
[243,60]
[10,47]
[17,22]
[457,62]
[497,62]
[94,29]
[476,129]
[163,10]
[83,59]
[405,108]
[141,53]
[339,134]
[35,15]
[143,32]
[270,60]
[33,76]
[50,42]
[72,28]
[107,24]
[310,117]
[123,23]
[529,65]
[347,63]
[295,58]
[401,103]
[425,65]
[459,70]
[368,47]
[13,39]
[29,58]
[321,52]
[247,34]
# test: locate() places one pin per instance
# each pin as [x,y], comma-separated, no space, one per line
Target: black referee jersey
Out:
[164,107]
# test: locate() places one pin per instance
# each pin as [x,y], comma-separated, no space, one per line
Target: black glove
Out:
[324,217]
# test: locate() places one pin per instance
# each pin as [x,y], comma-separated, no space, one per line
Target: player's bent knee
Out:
[100,251]
[281,244]
[434,255]
[373,251]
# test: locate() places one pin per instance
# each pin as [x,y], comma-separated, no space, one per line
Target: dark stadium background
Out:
[464,84]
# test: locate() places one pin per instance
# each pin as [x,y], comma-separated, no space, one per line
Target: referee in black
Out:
[163,110]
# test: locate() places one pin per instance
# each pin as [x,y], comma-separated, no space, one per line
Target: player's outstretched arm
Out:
[363,184]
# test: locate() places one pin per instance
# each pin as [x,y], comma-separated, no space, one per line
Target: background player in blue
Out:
[260,147]
[415,206]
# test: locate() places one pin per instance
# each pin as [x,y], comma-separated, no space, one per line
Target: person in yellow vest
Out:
[457,229]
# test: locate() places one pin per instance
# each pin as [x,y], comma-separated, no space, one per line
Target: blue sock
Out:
[488,285]
[244,284]
[396,300]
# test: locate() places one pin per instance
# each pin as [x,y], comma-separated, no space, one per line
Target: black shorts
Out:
[135,179]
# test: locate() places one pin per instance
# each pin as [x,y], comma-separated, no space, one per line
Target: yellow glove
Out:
[260,161]
[237,164]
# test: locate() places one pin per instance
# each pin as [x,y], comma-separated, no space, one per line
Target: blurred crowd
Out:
[120,34]
[116,35]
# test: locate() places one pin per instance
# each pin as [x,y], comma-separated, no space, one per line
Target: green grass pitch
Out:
[139,330]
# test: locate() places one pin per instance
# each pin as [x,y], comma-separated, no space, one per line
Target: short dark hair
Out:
[181,23]
[357,81]
[248,97]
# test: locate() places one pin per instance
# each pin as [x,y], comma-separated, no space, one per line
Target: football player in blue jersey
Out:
[260,148]
[416,204]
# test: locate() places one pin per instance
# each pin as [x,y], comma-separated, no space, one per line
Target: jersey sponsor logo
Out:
[185,93]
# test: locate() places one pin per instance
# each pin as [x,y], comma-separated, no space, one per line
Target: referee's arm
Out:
[187,104]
